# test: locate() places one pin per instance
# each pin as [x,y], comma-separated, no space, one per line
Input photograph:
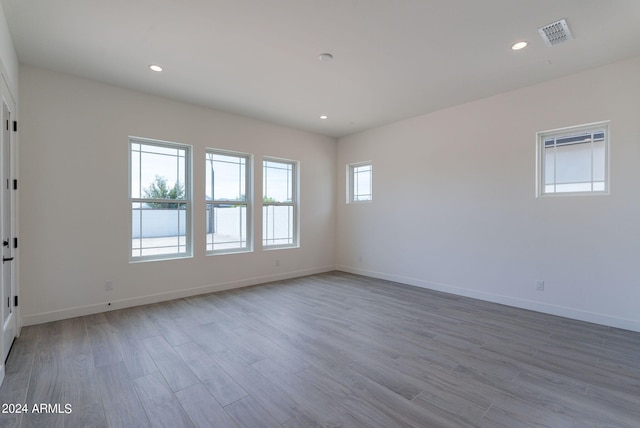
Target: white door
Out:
[9,320]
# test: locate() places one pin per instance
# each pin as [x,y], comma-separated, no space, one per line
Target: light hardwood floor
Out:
[326,350]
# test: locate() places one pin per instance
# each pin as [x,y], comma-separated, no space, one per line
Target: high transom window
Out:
[574,160]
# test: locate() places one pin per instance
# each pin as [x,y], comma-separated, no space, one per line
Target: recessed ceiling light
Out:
[155,67]
[324,116]
[519,45]
[325,57]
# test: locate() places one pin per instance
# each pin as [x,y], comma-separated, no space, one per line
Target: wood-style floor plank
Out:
[160,404]
[278,404]
[328,350]
[219,384]
[248,414]
[203,409]
[121,403]
[177,374]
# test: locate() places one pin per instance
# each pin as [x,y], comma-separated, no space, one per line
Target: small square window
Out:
[360,182]
[574,160]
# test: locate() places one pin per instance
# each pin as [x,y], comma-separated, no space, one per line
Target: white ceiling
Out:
[393,59]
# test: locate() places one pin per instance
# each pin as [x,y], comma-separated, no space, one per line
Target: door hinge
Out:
[15,126]
[15,184]
[15,300]
[15,242]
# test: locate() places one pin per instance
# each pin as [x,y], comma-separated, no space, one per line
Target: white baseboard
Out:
[546,308]
[161,297]
[562,311]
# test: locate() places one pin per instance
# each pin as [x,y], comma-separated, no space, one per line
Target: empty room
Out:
[292,213]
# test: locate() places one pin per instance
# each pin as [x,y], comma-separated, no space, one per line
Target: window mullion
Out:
[592,148]
[555,164]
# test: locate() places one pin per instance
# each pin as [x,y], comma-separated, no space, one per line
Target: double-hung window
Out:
[160,197]
[228,201]
[574,160]
[359,182]
[279,203]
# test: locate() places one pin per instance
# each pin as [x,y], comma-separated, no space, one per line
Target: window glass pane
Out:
[573,187]
[160,173]
[277,225]
[158,229]
[573,164]
[362,183]
[549,167]
[135,171]
[226,175]
[226,227]
[277,181]
[599,162]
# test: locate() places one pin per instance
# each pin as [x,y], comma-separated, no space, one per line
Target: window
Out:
[228,217]
[279,204]
[160,199]
[574,160]
[359,182]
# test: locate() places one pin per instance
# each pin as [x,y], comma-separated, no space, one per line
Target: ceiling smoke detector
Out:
[555,33]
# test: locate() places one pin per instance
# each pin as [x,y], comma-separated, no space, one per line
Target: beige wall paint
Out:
[75,211]
[454,204]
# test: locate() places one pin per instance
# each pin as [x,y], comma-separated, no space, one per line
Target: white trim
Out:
[607,320]
[78,311]
[562,311]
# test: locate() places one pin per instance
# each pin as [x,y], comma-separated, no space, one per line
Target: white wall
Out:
[8,57]
[74,227]
[454,204]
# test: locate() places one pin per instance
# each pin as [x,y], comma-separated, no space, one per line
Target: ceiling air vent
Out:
[555,33]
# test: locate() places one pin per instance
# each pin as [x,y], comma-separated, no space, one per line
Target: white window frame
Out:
[295,185]
[351,180]
[248,202]
[565,132]
[188,201]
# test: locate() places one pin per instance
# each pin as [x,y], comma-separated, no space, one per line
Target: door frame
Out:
[6,97]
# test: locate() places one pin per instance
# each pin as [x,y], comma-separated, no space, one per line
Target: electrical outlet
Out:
[540,285]
[108,285]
